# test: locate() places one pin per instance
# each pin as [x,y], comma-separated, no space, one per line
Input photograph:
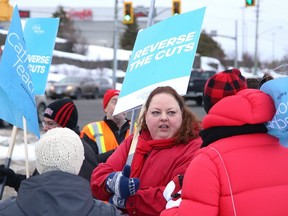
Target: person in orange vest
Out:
[106,135]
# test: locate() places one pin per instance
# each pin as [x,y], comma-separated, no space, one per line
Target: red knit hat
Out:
[64,112]
[108,95]
[221,85]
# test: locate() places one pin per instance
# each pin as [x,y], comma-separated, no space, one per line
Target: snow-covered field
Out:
[18,163]
[19,147]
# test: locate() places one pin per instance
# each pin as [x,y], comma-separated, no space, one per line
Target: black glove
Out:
[12,179]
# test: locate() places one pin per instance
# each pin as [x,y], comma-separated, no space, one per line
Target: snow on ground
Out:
[19,147]
[18,152]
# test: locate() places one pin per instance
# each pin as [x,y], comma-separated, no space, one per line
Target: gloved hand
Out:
[12,179]
[118,201]
[172,192]
[121,184]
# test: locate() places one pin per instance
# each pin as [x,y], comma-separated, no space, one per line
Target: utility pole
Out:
[115,41]
[235,38]
[236,45]
[151,13]
[243,32]
[256,39]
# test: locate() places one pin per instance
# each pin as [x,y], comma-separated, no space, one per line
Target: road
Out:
[91,110]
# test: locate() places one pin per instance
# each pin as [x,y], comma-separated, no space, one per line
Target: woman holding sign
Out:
[167,141]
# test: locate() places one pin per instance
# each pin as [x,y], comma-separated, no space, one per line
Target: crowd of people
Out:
[233,162]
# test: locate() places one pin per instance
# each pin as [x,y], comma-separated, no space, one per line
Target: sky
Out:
[222,16]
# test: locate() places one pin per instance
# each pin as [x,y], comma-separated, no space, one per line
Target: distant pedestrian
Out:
[264,79]
[253,83]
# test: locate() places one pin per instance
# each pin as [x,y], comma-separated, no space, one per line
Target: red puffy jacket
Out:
[255,165]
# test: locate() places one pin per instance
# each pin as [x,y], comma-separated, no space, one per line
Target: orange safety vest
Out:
[101,133]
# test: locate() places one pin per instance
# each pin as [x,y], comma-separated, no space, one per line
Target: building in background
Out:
[95,25]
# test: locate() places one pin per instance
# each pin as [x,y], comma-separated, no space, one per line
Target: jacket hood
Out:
[55,193]
[248,106]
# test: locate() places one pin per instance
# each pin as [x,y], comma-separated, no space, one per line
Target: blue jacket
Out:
[55,193]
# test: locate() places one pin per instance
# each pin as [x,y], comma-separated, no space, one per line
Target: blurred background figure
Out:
[256,83]
[253,83]
[264,79]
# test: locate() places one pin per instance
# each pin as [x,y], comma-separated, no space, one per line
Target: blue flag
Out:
[40,35]
[16,87]
[278,90]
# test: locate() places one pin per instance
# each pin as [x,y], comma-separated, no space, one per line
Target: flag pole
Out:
[136,134]
[8,158]
[135,139]
[26,147]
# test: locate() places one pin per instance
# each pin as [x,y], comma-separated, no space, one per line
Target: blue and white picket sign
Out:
[40,35]
[278,90]
[16,86]
[163,54]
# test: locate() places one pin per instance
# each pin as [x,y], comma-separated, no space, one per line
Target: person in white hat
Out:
[58,190]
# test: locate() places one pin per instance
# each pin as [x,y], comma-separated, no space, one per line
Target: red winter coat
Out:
[158,170]
[256,165]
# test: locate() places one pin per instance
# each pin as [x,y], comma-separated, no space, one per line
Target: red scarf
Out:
[144,146]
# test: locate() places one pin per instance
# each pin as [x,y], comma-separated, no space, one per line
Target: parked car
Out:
[196,85]
[77,87]
[103,84]
[41,102]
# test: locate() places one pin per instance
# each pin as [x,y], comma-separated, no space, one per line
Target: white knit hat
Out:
[59,149]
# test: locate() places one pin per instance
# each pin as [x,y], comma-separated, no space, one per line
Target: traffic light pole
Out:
[233,38]
[115,41]
[256,40]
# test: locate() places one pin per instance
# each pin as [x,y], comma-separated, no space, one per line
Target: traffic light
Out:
[5,11]
[249,3]
[176,7]
[128,13]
